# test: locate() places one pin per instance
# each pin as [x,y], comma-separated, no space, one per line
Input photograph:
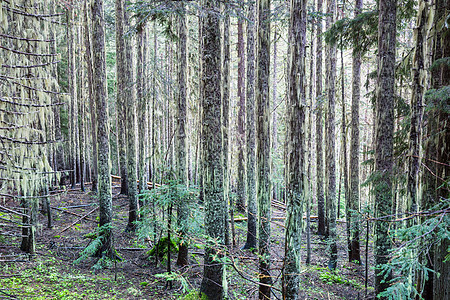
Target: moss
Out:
[161,247]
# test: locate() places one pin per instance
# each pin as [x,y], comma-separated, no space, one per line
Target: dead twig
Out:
[78,220]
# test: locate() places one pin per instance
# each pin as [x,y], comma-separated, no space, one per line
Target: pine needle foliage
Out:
[416,240]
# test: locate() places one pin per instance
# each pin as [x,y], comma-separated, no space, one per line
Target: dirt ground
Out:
[52,273]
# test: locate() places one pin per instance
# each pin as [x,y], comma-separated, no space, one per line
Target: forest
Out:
[233,149]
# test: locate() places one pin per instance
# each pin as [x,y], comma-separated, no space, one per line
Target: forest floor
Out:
[52,273]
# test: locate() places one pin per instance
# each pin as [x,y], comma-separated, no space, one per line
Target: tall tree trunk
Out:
[263,186]
[309,195]
[240,203]
[437,150]
[384,136]
[331,140]
[88,58]
[250,130]
[130,95]
[142,109]
[101,100]
[154,102]
[274,112]
[296,166]
[73,111]
[319,128]
[183,208]
[212,153]
[353,205]
[81,108]
[225,124]
[121,94]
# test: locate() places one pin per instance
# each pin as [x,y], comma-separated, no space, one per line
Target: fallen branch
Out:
[72,213]
[13,211]
[78,220]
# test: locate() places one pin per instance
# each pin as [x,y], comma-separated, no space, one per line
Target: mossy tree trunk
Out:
[296,164]
[240,202]
[212,153]
[101,100]
[331,142]
[319,128]
[88,59]
[263,183]
[131,125]
[353,201]
[225,124]
[437,149]
[121,94]
[183,208]
[384,137]
[250,130]
[142,108]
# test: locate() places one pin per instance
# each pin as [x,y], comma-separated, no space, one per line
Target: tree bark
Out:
[250,130]
[331,143]
[101,100]
[319,128]
[183,208]
[212,153]
[240,203]
[131,125]
[121,95]
[225,125]
[88,58]
[353,213]
[384,136]
[296,166]
[263,186]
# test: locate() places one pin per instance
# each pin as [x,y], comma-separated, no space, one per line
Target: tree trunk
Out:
[130,95]
[331,142]
[225,123]
[319,128]
[384,137]
[121,94]
[263,186]
[101,100]
[250,130]
[437,151]
[88,59]
[183,208]
[353,205]
[212,153]
[296,164]
[240,203]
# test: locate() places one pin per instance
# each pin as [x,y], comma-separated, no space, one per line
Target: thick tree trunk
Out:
[101,100]
[331,143]
[263,186]
[240,202]
[353,205]
[296,164]
[384,137]
[250,130]
[437,152]
[183,208]
[121,95]
[225,124]
[212,153]
[319,128]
